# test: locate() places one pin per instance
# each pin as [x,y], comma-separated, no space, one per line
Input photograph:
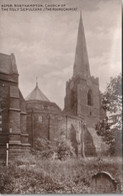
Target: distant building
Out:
[12,109]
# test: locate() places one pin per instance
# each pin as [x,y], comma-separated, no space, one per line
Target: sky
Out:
[44,42]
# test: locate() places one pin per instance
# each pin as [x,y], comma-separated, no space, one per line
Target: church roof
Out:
[8,64]
[81,63]
[37,94]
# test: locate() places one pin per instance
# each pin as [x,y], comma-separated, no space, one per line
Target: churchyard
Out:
[31,173]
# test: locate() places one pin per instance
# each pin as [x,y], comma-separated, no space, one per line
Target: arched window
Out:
[90,97]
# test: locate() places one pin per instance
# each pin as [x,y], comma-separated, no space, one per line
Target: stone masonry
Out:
[38,117]
[12,109]
[82,108]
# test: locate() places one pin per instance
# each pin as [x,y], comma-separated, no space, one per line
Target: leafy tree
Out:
[110,128]
[112,97]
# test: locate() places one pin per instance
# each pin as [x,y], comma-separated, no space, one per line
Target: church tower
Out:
[82,90]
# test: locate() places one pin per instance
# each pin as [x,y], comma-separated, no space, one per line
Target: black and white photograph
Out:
[60,97]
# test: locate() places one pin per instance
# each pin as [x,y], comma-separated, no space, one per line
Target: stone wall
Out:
[76,100]
[52,125]
[39,115]
[12,109]
[13,125]
[72,128]
[4,105]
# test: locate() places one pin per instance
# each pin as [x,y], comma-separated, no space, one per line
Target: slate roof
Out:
[37,94]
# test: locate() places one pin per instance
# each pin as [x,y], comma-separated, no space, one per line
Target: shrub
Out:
[60,149]
[64,149]
[42,144]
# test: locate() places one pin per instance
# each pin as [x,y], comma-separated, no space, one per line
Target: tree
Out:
[110,128]
[112,97]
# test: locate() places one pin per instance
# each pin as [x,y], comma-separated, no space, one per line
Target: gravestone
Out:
[103,182]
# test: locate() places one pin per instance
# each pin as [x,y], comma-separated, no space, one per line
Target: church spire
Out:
[81,63]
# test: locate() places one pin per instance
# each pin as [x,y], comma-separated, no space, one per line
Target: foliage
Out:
[61,148]
[112,97]
[43,148]
[42,144]
[30,175]
[110,128]
[64,148]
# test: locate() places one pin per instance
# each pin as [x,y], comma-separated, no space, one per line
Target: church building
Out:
[23,121]
[82,106]
[12,109]
[82,90]
[39,111]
